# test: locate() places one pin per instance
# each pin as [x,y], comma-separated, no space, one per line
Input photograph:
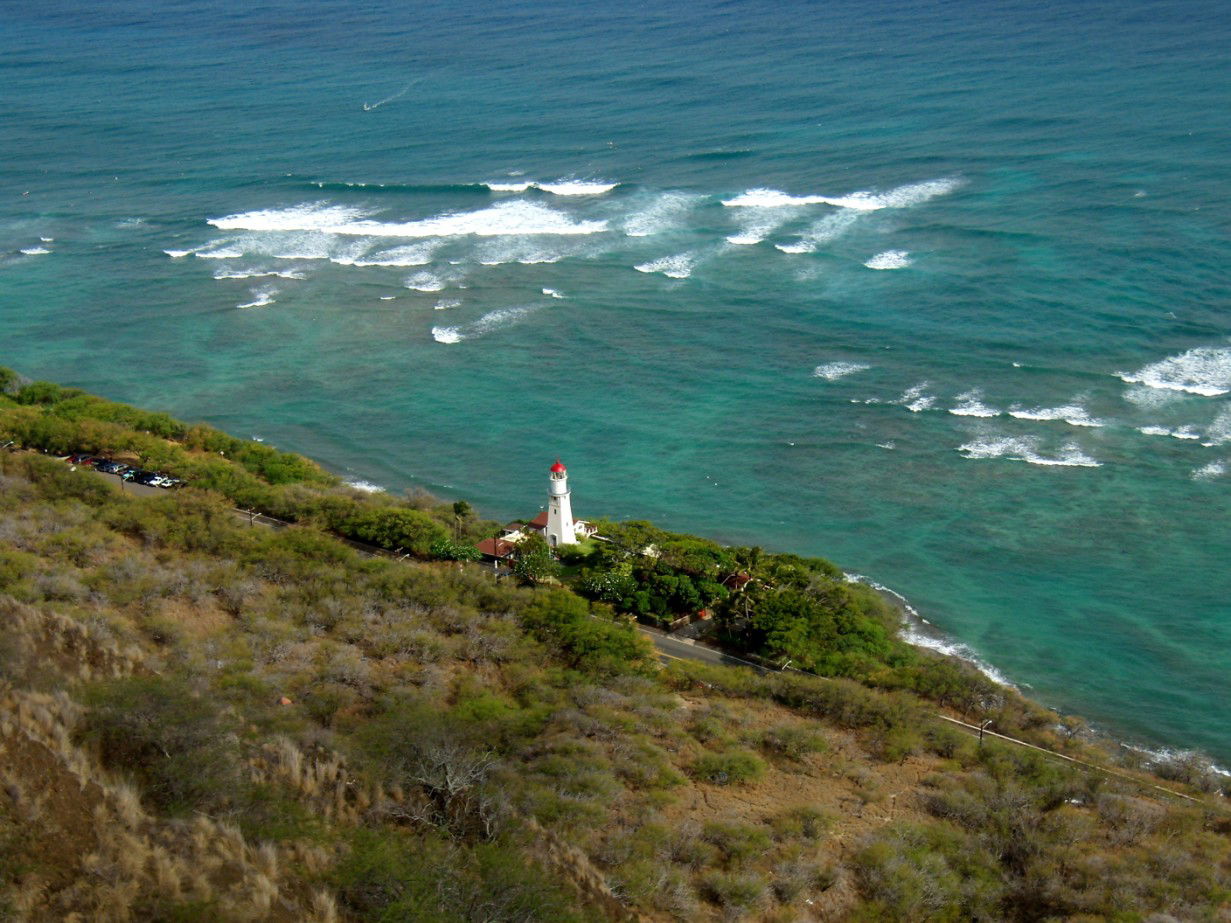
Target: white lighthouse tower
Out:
[561,530]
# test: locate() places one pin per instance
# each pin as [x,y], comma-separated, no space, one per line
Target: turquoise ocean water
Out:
[936,290]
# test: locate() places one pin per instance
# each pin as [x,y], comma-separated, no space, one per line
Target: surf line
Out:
[368,107]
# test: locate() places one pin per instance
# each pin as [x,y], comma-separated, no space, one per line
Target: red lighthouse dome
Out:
[558,468]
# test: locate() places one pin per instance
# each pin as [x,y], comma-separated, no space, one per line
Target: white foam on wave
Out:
[970,404]
[445,304]
[918,631]
[832,371]
[1072,414]
[260,298]
[665,213]
[492,320]
[34,251]
[516,217]
[366,486]
[1205,370]
[553,293]
[828,229]
[128,224]
[425,282]
[916,399]
[1026,448]
[1151,398]
[447,335]
[758,223]
[564,187]
[310,216]
[408,255]
[802,246]
[1183,432]
[770,198]
[528,251]
[679,266]
[508,186]
[1208,472]
[890,259]
[221,253]
[178,254]
[571,186]
[899,197]
[47,240]
[224,273]
[1219,431]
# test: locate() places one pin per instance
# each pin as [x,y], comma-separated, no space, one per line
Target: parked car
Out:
[133,473]
[107,466]
[75,458]
[89,461]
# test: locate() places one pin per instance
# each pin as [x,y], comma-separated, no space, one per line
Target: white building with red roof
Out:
[556,523]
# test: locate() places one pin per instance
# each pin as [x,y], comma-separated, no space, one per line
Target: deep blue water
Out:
[936,290]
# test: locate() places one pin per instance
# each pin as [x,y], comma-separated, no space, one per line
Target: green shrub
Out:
[794,741]
[734,891]
[179,747]
[730,767]
[802,823]
[735,842]
[392,875]
[396,529]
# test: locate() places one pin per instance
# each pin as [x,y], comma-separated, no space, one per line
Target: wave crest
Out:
[1205,371]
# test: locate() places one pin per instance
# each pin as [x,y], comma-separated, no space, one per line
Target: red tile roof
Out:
[539,521]
[495,548]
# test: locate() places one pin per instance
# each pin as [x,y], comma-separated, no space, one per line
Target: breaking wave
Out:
[920,632]
[679,266]
[916,399]
[1183,432]
[1026,448]
[970,404]
[1072,414]
[663,214]
[890,259]
[493,320]
[1208,472]
[260,298]
[504,218]
[829,228]
[408,255]
[425,282]
[1219,431]
[832,371]
[564,187]
[1205,371]
[900,197]
[366,486]
[224,273]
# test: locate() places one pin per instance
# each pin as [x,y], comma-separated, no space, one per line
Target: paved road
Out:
[127,486]
[670,648]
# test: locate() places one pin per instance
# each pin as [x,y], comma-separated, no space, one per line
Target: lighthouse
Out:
[561,530]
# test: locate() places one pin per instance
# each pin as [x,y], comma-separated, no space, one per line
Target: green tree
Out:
[533,561]
[397,527]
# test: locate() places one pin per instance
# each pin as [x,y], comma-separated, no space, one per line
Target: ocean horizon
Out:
[938,292]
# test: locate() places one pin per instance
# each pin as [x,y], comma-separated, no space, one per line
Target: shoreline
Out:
[919,632]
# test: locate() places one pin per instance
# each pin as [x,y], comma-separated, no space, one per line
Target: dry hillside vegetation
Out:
[206,720]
